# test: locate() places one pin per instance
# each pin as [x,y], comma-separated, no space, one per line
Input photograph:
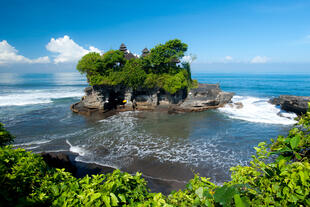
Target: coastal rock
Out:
[296,104]
[206,96]
[104,98]
[237,105]
[59,160]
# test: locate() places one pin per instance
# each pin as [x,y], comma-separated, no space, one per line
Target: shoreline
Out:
[66,159]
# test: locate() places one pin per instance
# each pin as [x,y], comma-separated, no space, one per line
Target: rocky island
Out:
[159,79]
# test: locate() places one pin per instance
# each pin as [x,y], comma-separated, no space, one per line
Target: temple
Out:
[145,52]
[129,55]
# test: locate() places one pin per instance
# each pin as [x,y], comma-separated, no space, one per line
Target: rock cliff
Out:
[296,104]
[105,98]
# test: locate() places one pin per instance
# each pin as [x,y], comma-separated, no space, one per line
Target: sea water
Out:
[36,109]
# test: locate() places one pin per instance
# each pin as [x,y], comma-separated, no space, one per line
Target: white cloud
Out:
[229,58]
[9,55]
[186,58]
[189,58]
[44,59]
[260,59]
[68,50]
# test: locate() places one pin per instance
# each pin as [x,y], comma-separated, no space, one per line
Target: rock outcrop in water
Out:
[296,104]
[105,98]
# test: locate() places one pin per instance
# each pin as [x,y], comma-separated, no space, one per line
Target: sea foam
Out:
[257,110]
[76,149]
[41,96]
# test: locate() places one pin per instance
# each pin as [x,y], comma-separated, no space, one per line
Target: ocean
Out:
[171,147]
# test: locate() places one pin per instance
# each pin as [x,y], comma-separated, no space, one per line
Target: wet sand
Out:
[165,186]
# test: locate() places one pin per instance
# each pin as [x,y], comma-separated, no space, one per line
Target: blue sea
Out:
[36,109]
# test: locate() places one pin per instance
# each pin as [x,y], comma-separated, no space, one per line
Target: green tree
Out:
[113,60]
[90,64]
[163,58]
[134,74]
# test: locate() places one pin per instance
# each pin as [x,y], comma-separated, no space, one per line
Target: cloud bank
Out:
[67,50]
[260,59]
[228,58]
[9,55]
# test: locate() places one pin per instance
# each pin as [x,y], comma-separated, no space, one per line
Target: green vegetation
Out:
[278,175]
[160,69]
[5,136]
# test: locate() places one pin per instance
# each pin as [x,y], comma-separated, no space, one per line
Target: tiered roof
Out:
[145,52]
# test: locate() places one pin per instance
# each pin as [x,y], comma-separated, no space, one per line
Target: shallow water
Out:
[35,108]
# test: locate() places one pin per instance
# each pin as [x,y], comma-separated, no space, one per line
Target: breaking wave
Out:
[40,96]
[259,110]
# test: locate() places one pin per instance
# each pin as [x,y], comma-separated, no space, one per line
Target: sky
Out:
[232,36]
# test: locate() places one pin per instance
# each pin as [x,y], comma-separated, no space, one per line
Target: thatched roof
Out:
[175,60]
[123,48]
[145,52]
[129,56]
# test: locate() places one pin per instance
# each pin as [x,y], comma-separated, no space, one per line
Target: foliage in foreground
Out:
[162,68]
[5,136]
[26,180]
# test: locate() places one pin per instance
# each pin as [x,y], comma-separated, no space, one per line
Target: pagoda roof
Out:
[145,50]
[123,47]
[129,56]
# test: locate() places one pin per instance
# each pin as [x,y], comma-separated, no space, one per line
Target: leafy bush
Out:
[134,75]
[114,189]
[21,173]
[174,83]
[5,136]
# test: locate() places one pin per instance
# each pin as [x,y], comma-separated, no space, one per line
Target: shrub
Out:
[134,75]
[21,173]
[5,136]
[174,83]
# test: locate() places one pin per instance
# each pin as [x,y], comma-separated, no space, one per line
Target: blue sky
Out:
[226,36]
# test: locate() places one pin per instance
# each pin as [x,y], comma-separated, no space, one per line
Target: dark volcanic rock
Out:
[59,160]
[206,96]
[67,161]
[296,104]
[104,98]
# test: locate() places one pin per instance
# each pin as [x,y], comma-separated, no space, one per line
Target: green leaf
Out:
[294,142]
[207,203]
[106,200]
[114,199]
[122,197]
[95,196]
[238,201]
[189,186]
[199,192]
[224,195]
[55,190]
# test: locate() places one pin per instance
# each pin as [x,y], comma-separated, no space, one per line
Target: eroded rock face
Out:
[296,104]
[105,98]
[206,96]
